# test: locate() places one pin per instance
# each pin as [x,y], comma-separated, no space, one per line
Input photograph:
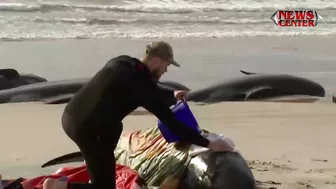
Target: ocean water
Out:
[80,19]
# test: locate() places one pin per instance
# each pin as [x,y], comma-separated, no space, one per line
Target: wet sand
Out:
[204,60]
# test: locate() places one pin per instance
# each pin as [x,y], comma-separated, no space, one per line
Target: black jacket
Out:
[120,87]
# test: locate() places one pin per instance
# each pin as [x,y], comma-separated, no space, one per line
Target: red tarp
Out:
[126,178]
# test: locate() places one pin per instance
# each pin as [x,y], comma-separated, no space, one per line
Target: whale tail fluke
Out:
[67,158]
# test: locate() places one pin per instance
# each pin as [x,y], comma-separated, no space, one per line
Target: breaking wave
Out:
[153,34]
[40,20]
[166,7]
[99,21]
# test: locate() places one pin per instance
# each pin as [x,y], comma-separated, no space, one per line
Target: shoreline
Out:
[171,38]
[204,60]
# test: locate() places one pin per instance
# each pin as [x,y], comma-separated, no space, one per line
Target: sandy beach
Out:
[287,145]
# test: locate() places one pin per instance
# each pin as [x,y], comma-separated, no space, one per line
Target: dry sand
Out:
[288,145]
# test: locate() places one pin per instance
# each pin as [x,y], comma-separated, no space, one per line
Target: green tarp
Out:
[147,152]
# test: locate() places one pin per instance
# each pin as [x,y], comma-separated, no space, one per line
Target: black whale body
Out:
[41,91]
[252,87]
[60,91]
[11,78]
[256,87]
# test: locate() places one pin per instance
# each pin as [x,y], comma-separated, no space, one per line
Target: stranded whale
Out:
[251,87]
[11,78]
[156,160]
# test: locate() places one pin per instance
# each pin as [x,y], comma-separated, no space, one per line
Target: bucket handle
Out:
[181,102]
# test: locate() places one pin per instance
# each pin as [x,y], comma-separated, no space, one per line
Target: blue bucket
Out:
[182,113]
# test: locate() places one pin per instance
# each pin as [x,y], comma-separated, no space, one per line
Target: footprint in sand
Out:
[263,166]
[304,184]
[319,160]
[269,166]
[308,184]
[322,170]
[267,184]
[331,183]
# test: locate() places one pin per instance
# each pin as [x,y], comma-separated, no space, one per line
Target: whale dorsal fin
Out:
[247,73]
[9,73]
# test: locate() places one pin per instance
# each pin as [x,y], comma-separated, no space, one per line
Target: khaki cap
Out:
[161,49]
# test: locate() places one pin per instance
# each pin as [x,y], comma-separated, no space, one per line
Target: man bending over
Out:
[93,117]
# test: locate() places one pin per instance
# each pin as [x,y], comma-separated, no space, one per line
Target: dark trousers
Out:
[97,144]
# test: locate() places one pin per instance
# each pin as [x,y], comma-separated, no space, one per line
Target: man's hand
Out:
[180,95]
